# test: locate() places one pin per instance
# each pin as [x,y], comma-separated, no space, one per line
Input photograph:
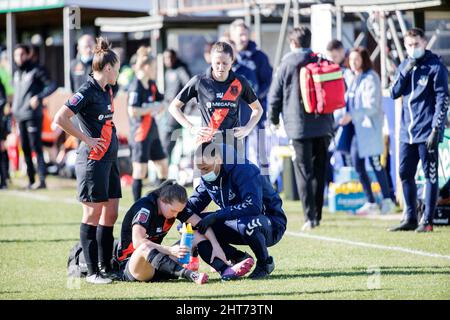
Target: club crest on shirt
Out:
[142,216]
[76,98]
[423,80]
[234,90]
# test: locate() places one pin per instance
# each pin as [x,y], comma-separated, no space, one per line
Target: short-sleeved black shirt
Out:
[139,97]
[145,213]
[94,108]
[218,101]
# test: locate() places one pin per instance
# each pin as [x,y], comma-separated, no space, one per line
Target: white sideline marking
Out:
[40,197]
[367,245]
[44,198]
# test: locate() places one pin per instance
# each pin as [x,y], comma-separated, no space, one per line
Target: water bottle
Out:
[187,236]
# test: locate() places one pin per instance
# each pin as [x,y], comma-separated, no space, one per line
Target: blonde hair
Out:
[143,57]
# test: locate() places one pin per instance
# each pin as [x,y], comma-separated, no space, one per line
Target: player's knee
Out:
[139,170]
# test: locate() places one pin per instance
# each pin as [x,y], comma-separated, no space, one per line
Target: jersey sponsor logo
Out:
[223,104]
[142,216]
[105,116]
[76,98]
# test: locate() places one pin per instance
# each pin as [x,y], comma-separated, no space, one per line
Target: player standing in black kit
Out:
[218,92]
[144,102]
[96,167]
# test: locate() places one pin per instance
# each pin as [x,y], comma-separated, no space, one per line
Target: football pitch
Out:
[347,257]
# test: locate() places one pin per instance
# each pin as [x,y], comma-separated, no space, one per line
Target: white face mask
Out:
[415,53]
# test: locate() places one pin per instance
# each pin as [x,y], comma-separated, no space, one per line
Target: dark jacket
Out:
[425,98]
[250,75]
[79,73]
[258,62]
[29,81]
[239,191]
[285,98]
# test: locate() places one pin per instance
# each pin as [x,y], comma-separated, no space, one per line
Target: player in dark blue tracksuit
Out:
[250,210]
[423,82]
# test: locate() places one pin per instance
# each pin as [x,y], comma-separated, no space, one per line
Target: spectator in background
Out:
[337,54]
[207,52]
[144,102]
[422,81]
[176,77]
[32,85]
[365,114]
[6,96]
[310,134]
[81,67]
[257,61]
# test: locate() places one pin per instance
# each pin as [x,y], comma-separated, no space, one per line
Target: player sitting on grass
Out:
[140,253]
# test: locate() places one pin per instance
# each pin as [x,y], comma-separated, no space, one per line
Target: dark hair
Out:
[170,191]
[223,47]
[366,62]
[415,32]
[22,46]
[334,45]
[301,36]
[207,150]
[103,55]
[172,53]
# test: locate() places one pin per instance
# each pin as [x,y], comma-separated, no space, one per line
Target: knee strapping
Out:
[164,263]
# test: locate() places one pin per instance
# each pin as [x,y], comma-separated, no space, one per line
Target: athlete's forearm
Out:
[144,110]
[175,111]
[257,112]
[62,120]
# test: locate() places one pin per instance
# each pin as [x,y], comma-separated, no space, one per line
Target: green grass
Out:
[36,235]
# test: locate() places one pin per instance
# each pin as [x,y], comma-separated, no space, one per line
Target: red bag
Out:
[322,87]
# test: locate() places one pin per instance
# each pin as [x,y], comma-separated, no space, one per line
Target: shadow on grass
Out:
[390,271]
[36,240]
[60,224]
[259,294]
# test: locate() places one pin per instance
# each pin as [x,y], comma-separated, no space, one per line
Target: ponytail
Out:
[103,55]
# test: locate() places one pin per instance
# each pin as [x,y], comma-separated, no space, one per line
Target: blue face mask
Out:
[210,176]
[416,53]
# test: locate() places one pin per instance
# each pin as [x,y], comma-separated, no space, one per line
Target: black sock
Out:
[105,241]
[205,251]
[89,245]
[137,189]
[162,262]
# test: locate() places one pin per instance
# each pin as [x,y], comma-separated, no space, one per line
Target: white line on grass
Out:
[40,197]
[44,198]
[367,245]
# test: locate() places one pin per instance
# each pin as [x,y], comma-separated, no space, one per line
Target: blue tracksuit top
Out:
[239,191]
[425,98]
